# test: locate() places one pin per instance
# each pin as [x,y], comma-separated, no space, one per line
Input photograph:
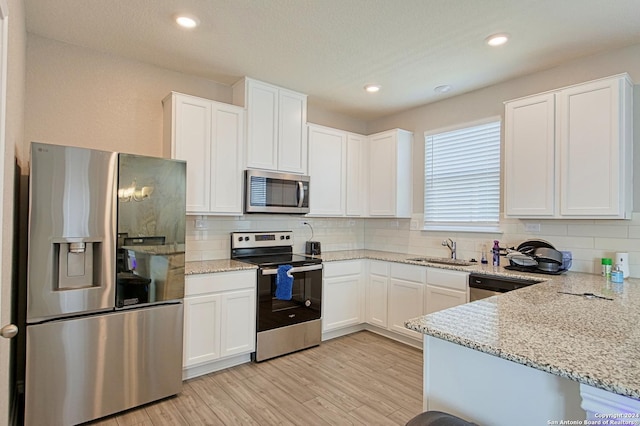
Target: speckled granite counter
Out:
[211,266]
[592,341]
[477,268]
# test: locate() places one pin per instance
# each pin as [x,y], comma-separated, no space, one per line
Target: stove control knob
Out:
[246,238]
[288,237]
[239,238]
[282,237]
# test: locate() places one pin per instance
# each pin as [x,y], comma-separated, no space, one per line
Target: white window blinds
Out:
[462,176]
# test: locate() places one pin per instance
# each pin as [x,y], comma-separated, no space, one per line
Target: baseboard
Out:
[212,367]
[342,331]
[374,329]
[394,336]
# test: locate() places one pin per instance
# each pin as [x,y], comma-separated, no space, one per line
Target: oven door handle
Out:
[274,271]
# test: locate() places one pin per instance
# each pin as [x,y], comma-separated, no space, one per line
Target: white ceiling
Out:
[329,49]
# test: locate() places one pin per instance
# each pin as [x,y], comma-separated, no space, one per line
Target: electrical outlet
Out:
[394,224]
[201,224]
[532,227]
[414,225]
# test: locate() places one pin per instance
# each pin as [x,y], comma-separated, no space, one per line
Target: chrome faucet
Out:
[449,243]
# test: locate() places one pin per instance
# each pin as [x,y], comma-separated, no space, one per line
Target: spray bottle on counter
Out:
[496,253]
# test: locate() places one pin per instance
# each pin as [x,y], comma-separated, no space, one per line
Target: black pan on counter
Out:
[529,247]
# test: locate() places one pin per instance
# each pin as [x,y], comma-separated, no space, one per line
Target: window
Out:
[462,177]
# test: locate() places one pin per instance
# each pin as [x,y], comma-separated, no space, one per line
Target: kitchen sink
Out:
[441,261]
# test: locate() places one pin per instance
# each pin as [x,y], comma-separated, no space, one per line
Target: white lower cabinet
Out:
[386,294]
[445,289]
[406,296]
[377,293]
[201,343]
[343,290]
[219,320]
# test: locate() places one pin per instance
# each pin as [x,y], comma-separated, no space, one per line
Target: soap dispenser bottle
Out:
[496,253]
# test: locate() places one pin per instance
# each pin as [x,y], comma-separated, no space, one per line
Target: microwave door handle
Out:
[300,194]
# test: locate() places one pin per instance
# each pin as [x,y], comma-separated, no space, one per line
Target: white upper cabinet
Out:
[338,172]
[327,171]
[595,130]
[530,156]
[568,153]
[357,175]
[209,136]
[276,126]
[390,173]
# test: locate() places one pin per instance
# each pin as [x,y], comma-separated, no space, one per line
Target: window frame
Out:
[479,227]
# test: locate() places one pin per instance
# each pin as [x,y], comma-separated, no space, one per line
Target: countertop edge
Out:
[548,368]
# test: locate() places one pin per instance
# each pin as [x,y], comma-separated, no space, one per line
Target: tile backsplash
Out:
[588,240]
[208,237]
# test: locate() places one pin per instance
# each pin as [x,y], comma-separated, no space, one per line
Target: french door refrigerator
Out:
[105,283]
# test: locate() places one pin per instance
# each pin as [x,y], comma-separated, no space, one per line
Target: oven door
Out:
[305,304]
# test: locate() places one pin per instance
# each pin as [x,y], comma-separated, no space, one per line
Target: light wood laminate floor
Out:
[359,379]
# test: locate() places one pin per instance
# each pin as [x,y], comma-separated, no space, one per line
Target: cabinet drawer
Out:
[416,274]
[221,281]
[378,268]
[450,279]
[342,268]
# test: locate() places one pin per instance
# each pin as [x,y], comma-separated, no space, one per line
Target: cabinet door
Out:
[377,300]
[405,302]
[341,302]
[439,298]
[262,125]
[591,163]
[327,169]
[192,144]
[530,178]
[292,132]
[357,176]
[382,175]
[226,159]
[238,322]
[201,329]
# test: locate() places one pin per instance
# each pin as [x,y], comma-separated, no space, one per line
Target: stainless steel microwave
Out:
[271,192]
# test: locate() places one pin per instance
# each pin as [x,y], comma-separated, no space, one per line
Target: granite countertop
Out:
[212,266]
[592,341]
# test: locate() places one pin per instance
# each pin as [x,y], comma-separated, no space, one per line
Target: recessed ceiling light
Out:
[497,39]
[443,89]
[187,21]
[372,88]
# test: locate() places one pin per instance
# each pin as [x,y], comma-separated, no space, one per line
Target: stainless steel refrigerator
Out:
[105,283]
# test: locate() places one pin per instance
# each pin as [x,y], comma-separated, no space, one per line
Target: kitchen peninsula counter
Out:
[590,340]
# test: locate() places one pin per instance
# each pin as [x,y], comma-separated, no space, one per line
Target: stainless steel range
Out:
[286,323]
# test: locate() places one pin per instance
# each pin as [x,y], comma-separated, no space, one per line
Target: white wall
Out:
[82,97]
[488,102]
[12,156]
[588,240]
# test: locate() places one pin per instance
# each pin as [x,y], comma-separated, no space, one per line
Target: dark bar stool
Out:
[438,418]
